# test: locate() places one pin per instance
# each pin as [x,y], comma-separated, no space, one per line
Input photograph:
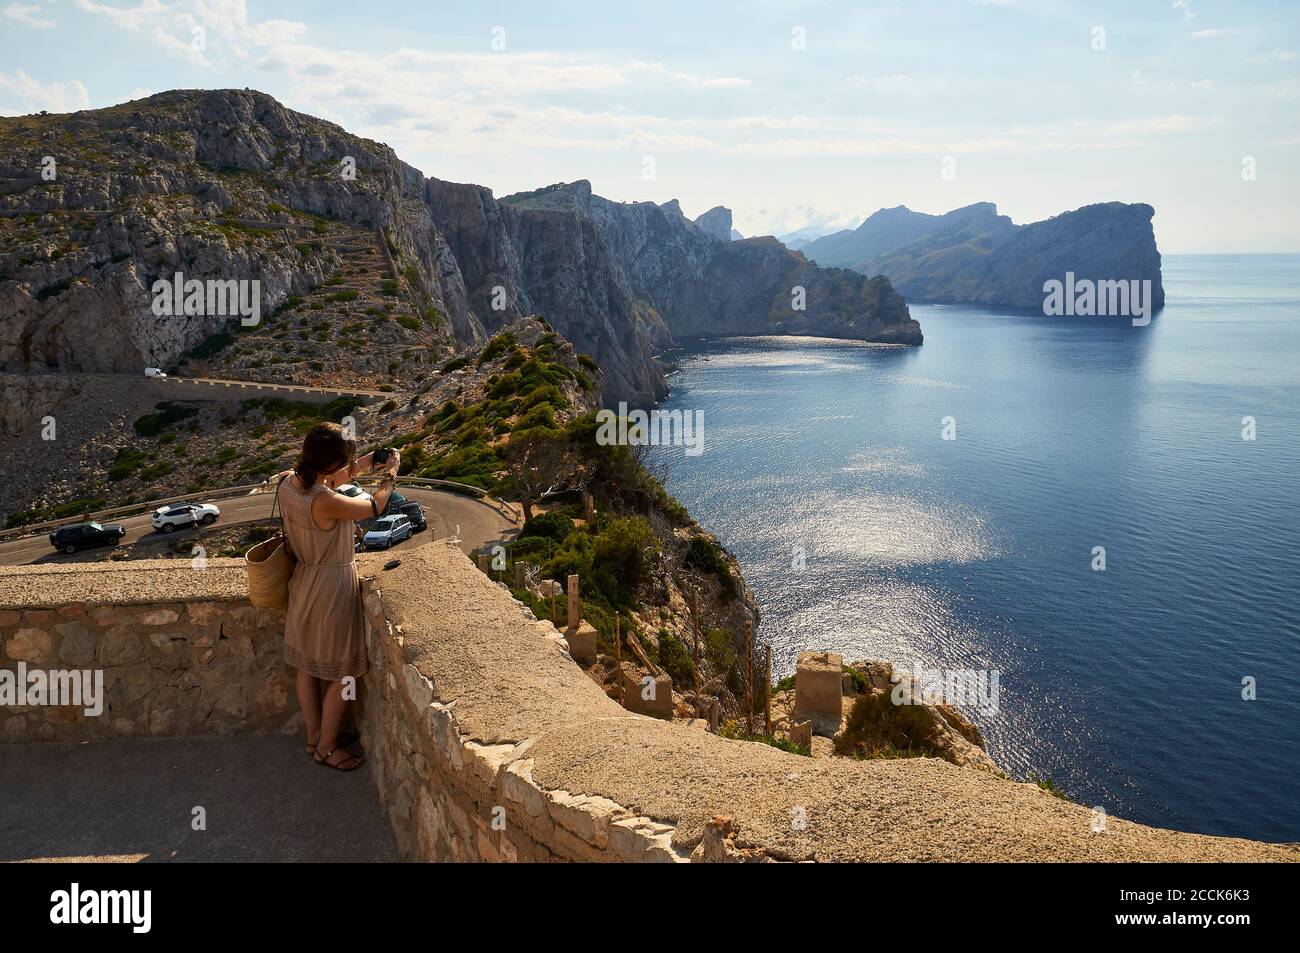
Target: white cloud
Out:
[193,30]
[430,103]
[891,84]
[1161,124]
[33,95]
[29,15]
[1273,56]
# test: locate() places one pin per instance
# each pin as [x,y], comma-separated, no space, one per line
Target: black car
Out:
[397,505]
[77,536]
[414,512]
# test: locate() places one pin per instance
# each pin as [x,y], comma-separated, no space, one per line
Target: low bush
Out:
[166,414]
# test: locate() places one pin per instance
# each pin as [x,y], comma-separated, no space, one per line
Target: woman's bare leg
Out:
[309,702]
[333,708]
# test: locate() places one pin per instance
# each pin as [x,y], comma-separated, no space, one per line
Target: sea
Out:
[1101,514]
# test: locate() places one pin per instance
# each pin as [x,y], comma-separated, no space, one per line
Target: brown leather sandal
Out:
[347,739]
[350,763]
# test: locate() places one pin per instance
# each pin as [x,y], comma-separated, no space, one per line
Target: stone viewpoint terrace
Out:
[485,741]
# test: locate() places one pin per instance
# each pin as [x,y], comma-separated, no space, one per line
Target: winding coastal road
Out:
[474,523]
[214,388]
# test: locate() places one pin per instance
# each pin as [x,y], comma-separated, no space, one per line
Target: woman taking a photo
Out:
[324,636]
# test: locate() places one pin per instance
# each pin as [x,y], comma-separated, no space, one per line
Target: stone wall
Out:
[487,742]
[451,799]
[168,668]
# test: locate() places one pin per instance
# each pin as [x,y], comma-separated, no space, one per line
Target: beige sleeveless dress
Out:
[324,635]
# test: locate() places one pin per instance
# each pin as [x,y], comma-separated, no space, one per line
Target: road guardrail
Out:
[247,489]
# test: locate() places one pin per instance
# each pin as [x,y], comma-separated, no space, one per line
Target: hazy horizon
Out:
[790,114]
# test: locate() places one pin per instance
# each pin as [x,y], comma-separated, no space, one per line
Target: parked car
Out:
[387,531]
[77,536]
[354,491]
[391,508]
[167,518]
[155,372]
[414,512]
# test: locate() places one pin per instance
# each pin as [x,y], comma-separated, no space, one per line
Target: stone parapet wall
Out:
[168,669]
[452,799]
[487,742]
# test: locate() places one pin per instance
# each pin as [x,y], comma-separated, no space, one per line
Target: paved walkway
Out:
[133,800]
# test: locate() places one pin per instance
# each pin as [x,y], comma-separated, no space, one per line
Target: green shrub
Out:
[675,659]
[210,346]
[125,463]
[705,555]
[719,649]
[496,347]
[617,558]
[876,727]
[166,414]
[1048,785]
[549,525]
[543,415]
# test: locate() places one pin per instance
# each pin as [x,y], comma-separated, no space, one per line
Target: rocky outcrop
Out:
[624,280]
[216,185]
[229,185]
[973,254]
[716,222]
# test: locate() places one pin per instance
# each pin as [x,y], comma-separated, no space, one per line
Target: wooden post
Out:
[695,622]
[618,656]
[574,613]
[588,506]
[767,695]
[482,560]
[749,683]
[521,575]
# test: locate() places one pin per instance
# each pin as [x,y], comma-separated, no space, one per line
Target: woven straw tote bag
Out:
[269,565]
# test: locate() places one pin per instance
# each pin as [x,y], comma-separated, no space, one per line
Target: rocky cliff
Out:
[716,222]
[97,206]
[366,269]
[622,280]
[974,254]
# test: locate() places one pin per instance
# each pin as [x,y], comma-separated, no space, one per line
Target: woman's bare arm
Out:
[336,506]
[361,464]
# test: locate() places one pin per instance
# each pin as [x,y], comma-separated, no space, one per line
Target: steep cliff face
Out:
[622,280]
[973,254]
[366,269]
[716,222]
[215,185]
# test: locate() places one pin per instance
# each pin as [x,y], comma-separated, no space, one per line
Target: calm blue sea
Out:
[1123,686]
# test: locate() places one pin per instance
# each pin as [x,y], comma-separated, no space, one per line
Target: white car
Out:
[155,372]
[354,491]
[168,518]
[387,531]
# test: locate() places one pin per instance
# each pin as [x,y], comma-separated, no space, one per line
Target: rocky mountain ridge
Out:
[973,254]
[622,281]
[97,206]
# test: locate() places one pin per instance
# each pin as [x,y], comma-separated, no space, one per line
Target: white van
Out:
[154,372]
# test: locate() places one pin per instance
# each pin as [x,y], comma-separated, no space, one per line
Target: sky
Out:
[791,114]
